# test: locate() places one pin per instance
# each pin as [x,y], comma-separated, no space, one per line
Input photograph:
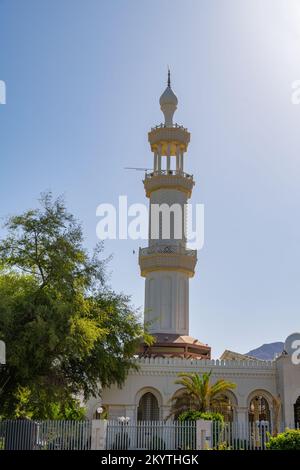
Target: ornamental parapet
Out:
[167,257]
[165,136]
[209,363]
[168,179]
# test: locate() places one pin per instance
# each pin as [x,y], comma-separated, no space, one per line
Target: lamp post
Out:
[99,412]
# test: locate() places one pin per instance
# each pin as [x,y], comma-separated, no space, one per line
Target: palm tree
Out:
[199,394]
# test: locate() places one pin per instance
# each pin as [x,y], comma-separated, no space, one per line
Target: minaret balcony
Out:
[172,136]
[162,257]
[169,179]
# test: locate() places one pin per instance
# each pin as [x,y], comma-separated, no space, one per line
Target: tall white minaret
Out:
[167,264]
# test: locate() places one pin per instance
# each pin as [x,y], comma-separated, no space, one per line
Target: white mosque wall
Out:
[158,375]
[288,380]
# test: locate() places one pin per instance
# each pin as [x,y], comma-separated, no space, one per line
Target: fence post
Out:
[203,434]
[99,428]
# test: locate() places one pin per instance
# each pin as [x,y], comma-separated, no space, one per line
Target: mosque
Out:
[167,264]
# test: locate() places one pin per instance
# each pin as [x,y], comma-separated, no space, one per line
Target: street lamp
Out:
[99,412]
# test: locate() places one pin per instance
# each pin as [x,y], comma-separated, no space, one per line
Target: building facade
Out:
[167,264]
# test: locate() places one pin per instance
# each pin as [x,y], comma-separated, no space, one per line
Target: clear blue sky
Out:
[83,81]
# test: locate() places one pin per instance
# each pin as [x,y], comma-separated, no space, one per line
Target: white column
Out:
[159,158]
[242,415]
[177,158]
[155,161]
[168,158]
[165,411]
[181,160]
[203,434]
[130,412]
[98,438]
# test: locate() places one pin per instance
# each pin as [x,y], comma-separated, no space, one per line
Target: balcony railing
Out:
[166,249]
[150,174]
[162,126]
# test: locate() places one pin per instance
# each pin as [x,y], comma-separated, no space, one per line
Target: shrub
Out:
[223,446]
[195,415]
[288,440]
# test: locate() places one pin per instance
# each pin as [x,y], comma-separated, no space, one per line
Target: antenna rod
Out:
[137,169]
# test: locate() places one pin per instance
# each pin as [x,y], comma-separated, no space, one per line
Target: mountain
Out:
[267,352]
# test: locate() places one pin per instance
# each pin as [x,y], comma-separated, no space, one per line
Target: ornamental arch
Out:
[228,406]
[297,412]
[149,404]
[259,405]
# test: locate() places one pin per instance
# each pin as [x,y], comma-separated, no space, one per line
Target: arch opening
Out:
[226,405]
[148,409]
[297,412]
[259,409]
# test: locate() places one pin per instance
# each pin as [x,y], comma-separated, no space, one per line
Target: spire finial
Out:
[168,102]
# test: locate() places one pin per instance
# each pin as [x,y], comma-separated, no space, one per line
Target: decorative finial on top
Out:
[168,102]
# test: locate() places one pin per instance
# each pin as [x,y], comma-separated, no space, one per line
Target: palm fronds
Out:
[198,394]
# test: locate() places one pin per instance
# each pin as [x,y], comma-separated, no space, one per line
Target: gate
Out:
[151,435]
[45,435]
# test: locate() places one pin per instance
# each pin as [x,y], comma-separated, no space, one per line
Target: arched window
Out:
[225,406]
[259,409]
[297,412]
[148,409]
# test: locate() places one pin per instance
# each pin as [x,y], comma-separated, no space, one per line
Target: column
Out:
[177,158]
[159,159]
[181,160]
[131,412]
[241,415]
[203,434]
[98,438]
[168,158]
[155,161]
[165,412]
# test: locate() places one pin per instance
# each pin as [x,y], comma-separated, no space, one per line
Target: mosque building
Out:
[167,265]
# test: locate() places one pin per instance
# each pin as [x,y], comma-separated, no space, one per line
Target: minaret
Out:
[167,264]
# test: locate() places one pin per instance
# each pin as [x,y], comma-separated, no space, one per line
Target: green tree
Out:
[199,394]
[65,331]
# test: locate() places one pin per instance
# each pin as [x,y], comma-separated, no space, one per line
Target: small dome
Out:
[168,97]
[168,103]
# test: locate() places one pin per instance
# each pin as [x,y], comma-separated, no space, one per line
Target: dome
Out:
[168,103]
[168,97]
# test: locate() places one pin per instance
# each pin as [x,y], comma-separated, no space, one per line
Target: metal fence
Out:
[240,436]
[243,436]
[45,435]
[151,435]
[143,435]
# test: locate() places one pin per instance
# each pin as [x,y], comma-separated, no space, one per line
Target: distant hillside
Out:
[267,352]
